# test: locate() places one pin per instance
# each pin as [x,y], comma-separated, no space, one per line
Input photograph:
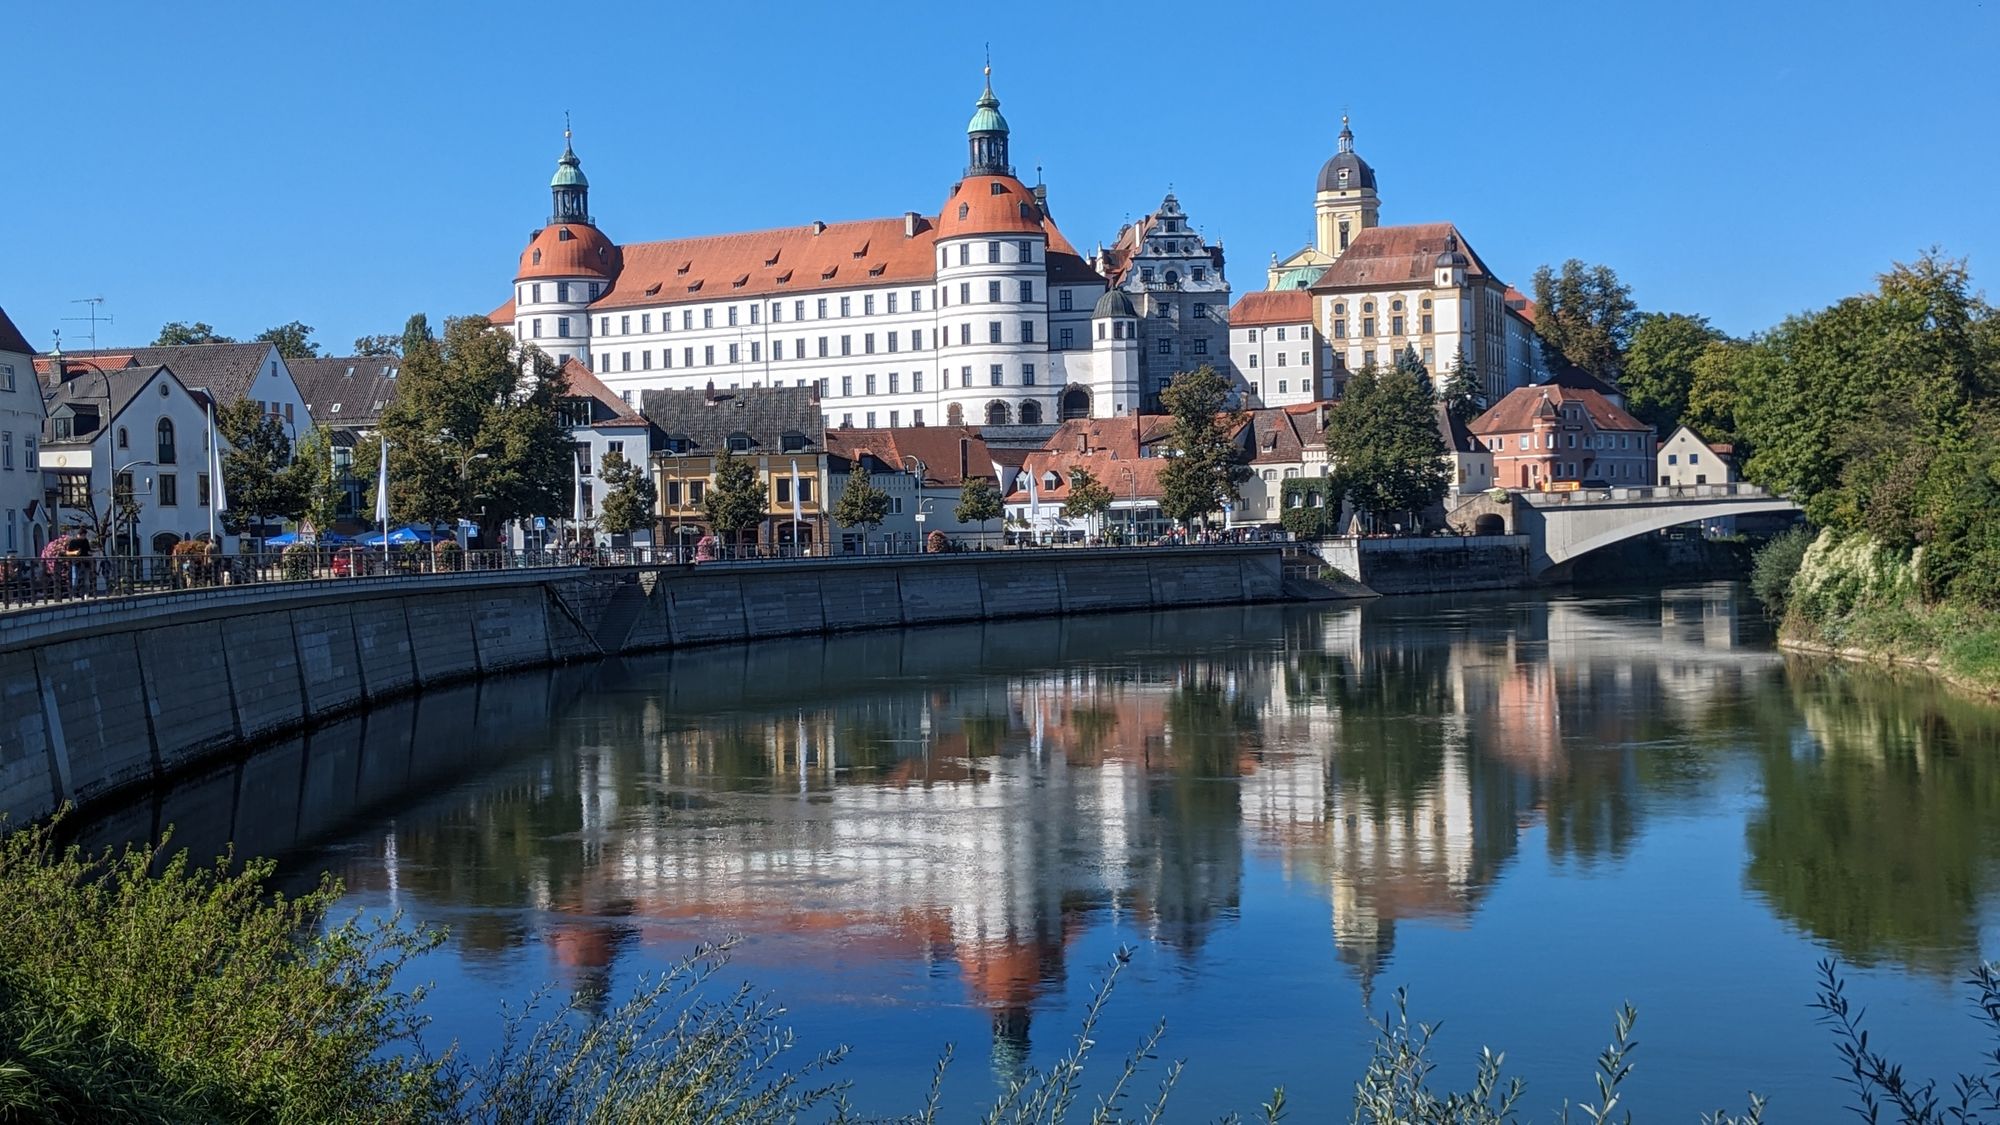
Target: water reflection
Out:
[974,800]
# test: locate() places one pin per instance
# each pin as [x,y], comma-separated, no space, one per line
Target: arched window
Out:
[165,432]
[1173,277]
[954,415]
[996,414]
[1075,403]
[1031,413]
[124,439]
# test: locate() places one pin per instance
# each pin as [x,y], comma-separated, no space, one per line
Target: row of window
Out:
[1397,324]
[585,291]
[29,459]
[75,490]
[690,493]
[1305,359]
[823,307]
[1024,251]
[1196,346]
[895,384]
[1591,441]
[1173,277]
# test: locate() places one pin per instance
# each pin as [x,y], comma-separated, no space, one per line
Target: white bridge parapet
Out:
[1566,525]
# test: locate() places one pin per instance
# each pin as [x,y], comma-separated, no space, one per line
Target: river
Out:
[1525,809]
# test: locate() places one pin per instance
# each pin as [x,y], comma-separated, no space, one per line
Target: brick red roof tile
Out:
[1272,306]
[1517,412]
[1401,255]
[947,463]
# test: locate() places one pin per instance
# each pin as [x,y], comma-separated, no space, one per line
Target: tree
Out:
[257,466]
[1310,507]
[293,340]
[313,479]
[861,504]
[629,495]
[473,430]
[1463,395]
[1384,440]
[382,345]
[1712,392]
[1205,465]
[1584,316]
[174,333]
[978,502]
[735,501]
[1088,499]
[1660,367]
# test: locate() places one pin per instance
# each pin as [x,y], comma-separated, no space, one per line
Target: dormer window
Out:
[997,189]
[739,443]
[965,209]
[563,235]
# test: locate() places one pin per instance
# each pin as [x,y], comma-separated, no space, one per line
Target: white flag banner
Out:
[1034,501]
[797,509]
[382,489]
[218,500]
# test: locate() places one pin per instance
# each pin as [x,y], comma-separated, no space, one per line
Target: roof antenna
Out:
[93,317]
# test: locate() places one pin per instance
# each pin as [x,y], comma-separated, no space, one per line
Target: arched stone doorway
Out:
[996,413]
[1075,403]
[954,415]
[1031,413]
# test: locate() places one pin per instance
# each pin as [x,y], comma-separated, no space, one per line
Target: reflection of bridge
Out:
[1563,526]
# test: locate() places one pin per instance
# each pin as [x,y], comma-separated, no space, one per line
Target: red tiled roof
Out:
[1272,306]
[1401,255]
[583,384]
[987,204]
[1517,412]
[44,364]
[569,250]
[1519,304]
[950,454]
[866,252]
[1110,471]
[504,314]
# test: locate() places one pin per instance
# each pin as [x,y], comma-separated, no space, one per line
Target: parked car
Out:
[350,562]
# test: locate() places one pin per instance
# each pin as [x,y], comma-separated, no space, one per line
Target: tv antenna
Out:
[93,318]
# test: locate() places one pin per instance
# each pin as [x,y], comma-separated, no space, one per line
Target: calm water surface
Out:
[1525,810]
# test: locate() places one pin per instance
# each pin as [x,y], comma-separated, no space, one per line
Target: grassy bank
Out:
[1850,596]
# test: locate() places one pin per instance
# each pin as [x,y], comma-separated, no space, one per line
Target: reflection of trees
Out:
[1190,851]
[1878,833]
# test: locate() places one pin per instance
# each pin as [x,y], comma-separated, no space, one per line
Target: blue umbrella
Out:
[285,540]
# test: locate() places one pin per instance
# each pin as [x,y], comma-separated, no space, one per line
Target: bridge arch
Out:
[1569,532]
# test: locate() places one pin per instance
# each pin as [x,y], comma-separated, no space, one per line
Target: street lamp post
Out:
[1132,513]
[923,505]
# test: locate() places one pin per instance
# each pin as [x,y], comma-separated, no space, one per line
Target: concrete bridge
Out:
[1563,526]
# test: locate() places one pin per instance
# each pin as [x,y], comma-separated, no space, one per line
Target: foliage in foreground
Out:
[134,987]
[1774,565]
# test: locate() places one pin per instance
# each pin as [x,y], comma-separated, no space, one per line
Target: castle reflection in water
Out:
[975,798]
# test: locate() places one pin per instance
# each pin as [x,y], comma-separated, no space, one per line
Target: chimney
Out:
[909,224]
[818,228]
[709,395]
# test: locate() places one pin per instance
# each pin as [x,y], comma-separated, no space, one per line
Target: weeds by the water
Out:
[134,987]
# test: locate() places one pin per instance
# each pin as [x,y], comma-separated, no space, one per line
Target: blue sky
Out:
[346,165]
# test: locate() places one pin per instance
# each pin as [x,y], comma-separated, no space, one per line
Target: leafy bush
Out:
[1774,565]
[447,555]
[296,561]
[1310,507]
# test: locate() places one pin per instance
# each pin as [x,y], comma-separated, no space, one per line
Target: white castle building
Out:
[980,314]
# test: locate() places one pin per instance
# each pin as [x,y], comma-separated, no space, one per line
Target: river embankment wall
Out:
[101,696]
[1432,564]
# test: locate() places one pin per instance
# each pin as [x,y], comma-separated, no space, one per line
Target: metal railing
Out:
[30,582]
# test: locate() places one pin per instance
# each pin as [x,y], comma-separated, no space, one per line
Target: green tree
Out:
[314,480]
[861,504]
[257,466]
[293,340]
[1712,394]
[473,430]
[735,501]
[1384,442]
[174,333]
[629,495]
[1463,395]
[382,345]
[1088,499]
[1584,316]
[1205,465]
[1660,367]
[978,502]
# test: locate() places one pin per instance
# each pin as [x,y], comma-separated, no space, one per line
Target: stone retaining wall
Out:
[102,696]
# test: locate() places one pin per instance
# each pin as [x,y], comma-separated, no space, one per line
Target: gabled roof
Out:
[1282,434]
[950,454]
[707,419]
[1390,256]
[226,370]
[1272,306]
[346,391]
[11,339]
[1455,433]
[1517,412]
[87,392]
[1128,478]
[610,409]
[1519,304]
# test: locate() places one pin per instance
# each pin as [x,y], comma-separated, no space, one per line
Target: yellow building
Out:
[778,431]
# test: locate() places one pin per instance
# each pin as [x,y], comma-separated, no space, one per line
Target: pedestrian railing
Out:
[26,582]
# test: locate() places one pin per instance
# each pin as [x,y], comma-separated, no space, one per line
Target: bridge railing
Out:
[1732,490]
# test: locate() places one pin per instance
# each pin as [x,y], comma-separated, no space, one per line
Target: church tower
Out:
[1345,204]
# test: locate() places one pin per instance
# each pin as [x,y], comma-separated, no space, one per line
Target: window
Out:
[965,292]
[916,339]
[6,449]
[964,334]
[708,318]
[696,490]
[1368,326]
[687,357]
[1305,359]
[1063,300]
[992,331]
[1284,385]
[1281,334]
[993,291]
[1199,347]
[822,347]
[756,347]
[871,419]
[708,356]
[1027,291]
[1396,305]
[1198,273]
[1200,311]
[777,311]
[1027,331]
[170,491]
[1693,459]
[891,299]
[964,248]
[687,319]
[1673,458]
[535,328]
[732,316]
[819,311]
[624,361]
[1253,361]
[916,300]
[868,383]
[895,382]
[1526,442]
[846,306]
[1027,249]
[754,310]
[892,340]
[997,375]
[1281,359]
[1166,347]
[1250,335]
[624,326]
[917,417]
[868,343]
[536,289]
[733,354]
[847,345]
[916,382]
[846,385]
[1067,338]
[164,432]
[29,459]
[1340,330]
[1395,326]
[1027,374]
[993,247]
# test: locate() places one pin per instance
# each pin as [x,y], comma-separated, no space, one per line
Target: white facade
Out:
[1686,460]
[20,435]
[1280,364]
[158,439]
[981,314]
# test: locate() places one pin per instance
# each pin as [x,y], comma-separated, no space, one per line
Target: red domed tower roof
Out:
[569,250]
[989,204]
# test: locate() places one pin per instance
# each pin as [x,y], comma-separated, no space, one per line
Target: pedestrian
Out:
[78,551]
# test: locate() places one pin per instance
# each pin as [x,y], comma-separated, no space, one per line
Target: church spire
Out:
[568,187]
[986,135]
